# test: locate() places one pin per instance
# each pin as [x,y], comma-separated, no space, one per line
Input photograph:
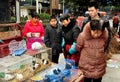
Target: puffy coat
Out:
[92,55]
[106,24]
[30,27]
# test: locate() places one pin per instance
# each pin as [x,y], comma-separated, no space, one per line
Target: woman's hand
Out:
[36,35]
[29,34]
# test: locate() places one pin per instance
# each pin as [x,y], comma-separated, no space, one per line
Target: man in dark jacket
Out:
[70,33]
[53,38]
[94,14]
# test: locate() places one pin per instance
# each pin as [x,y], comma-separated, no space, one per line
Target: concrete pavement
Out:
[113,69]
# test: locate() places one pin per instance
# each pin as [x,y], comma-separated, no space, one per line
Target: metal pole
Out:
[40,6]
[17,11]
[50,7]
[63,6]
[37,8]
[31,2]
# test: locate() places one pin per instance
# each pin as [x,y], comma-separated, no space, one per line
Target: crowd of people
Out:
[85,42]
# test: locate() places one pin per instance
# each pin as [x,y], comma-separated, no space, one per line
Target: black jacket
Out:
[53,39]
[71,32]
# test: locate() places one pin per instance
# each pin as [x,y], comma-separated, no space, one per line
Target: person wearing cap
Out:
[70,32]
[33,30]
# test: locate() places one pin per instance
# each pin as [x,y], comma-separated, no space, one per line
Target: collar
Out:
[33,23]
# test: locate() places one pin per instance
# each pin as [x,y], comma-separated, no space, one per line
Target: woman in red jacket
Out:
[33,30]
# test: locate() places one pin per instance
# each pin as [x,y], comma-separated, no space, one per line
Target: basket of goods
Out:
[9,32]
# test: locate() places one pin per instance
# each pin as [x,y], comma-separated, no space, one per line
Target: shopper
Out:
[91,44]
[33,30]
[53,38]
[93,9]
[70,33]
[115,22]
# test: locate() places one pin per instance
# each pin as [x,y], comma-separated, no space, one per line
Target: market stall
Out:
[8,32]
[29,69]
[21,68]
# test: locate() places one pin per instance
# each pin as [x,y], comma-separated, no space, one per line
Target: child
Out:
[91,44]
[53,38]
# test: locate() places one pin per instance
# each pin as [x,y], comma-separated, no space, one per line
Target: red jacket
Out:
[34,28]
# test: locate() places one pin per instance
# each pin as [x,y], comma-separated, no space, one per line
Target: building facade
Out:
[40,6]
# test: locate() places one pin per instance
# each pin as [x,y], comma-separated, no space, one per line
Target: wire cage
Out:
[9,32]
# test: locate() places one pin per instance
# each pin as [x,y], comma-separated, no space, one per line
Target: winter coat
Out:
[92,55]
[70,34]
[53,38]
[106,24]
[30,27]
